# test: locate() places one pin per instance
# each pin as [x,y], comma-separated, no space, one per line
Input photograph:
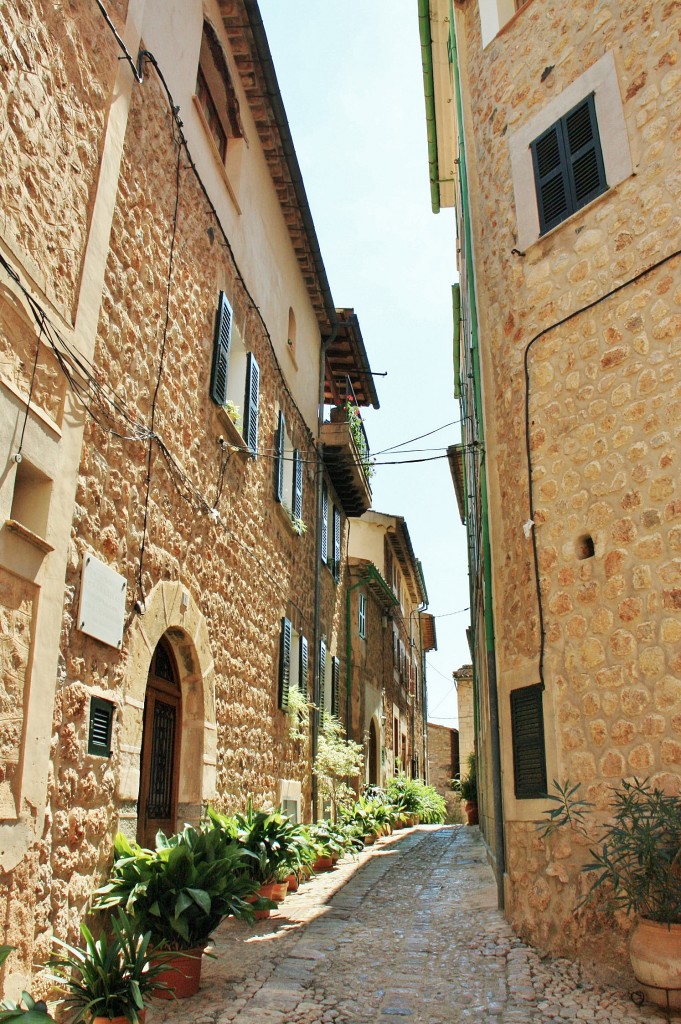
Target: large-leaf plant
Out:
[276,845]
[183,889]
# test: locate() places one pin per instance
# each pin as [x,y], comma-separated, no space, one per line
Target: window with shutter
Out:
[335,686]
[325,524]
[303,665]
[221,342]
[362,616]
[529,754]
[101,724]
[336,543]
[279,458]
[285,662]
[568,165]
[251,403]
[297,486]
[322,676]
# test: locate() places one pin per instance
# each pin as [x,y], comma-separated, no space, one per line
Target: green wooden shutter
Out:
[551,178]
[221,341]
[304,665]
[279,458]
[335,686]
[325,523]
[580,130]
[336,542]
[527,730]
[322,675]
[284,663]
[251,403]
[297,485]
[101,727]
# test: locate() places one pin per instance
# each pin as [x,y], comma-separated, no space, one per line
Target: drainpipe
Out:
[429,94]
[495,736]
[316,690]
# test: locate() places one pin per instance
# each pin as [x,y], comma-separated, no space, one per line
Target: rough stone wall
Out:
[605,419]
[441,769]
[56,79]
[244,572]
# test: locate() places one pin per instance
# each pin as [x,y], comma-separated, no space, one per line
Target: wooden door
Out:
[373,754]
[160,756]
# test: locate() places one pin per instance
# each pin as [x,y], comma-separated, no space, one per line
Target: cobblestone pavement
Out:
[408,931]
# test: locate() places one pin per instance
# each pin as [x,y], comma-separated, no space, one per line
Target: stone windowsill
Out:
[233,436]
[28,535]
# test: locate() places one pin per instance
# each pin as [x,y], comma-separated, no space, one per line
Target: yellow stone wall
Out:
[604,424]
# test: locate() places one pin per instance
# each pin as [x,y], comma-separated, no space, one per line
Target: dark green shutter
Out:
[551,178]
[251,403]
[279,458]
[297,485]
[304,664]
[335,686]
[322,674]
[284,663]
[336,542]
[221,341]
[568,165]
[325,523]
[529,755]
[101,724]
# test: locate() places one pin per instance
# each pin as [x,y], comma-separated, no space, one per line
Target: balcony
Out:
[347,458]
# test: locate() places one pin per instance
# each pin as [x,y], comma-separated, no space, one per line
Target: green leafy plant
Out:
[298,711]
[569,811]
[338,761]
[358,436]
[32,1012]
[273,842]
[233,411]
[181,890]
[467,785]
[638,860]
[108,977]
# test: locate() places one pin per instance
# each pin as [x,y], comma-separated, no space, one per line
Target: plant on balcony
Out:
[233,411]
[358,436]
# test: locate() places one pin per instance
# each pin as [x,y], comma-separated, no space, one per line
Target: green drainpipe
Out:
[429,93]
[456,313]
[495,734]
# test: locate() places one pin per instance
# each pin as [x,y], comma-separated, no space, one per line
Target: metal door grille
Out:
[159,804]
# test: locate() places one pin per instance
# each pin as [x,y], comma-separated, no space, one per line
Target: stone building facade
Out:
[443,765]
[174,506]
[390,635]
[562,159]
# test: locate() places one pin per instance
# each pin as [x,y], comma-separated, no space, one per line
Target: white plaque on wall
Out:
[101,612]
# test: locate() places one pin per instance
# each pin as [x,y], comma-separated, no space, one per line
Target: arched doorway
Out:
[373,754]
[160,755]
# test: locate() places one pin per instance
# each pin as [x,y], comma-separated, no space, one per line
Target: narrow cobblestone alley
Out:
[409,930]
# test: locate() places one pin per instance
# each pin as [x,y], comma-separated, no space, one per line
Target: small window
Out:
[31,498]
[529,754]
[101,722]
[362,616]
[235,375]
[568,165]
[215,96]
[288,475]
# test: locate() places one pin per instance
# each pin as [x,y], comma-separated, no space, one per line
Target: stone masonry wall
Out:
[441,770]
[605,424]
[56,78]
[244,572]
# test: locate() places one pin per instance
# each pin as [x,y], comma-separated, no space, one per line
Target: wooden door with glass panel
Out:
[160,756]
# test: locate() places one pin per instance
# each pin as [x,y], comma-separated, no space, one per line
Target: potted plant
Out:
[108,980]
[32,1012]
[338,761]
[467,788]
[180,892]
[637,862]
[638,866]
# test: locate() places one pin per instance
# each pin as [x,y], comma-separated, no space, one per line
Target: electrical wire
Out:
[420,437]
[126,54]
[526,357]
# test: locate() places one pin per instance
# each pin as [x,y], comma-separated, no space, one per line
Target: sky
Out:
[350,76]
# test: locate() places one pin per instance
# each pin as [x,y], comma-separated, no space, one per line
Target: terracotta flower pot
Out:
[292,883]
[370,839]
[181,974]
[258,915]
[471,809]
[323,864]
[655,952]
[279,890]
[118,1020]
